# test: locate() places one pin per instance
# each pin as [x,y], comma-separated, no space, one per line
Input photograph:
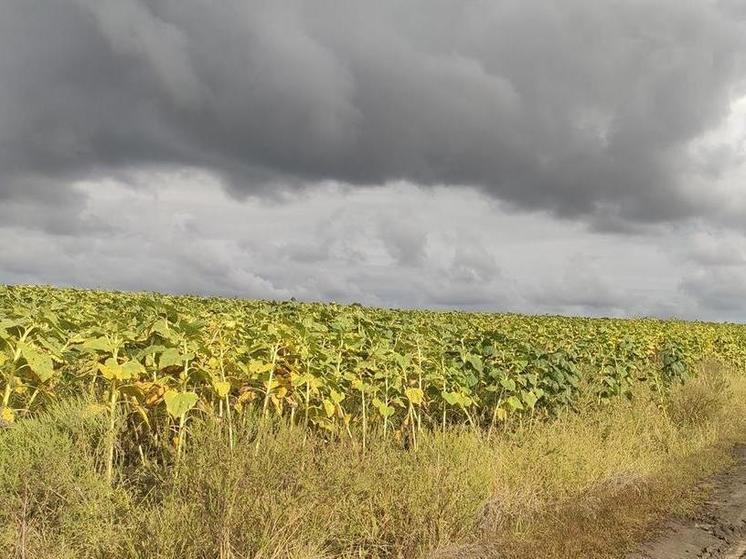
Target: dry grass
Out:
[595,483]
[589,484]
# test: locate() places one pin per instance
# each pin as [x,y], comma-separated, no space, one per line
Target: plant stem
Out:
[365,421]
[386,398]
[265,407]
[112,428]
[33,397]
[444,408]
[6,395]
[413,430]
[230,420]
[227,396]
[308,403]
[419,383]
[180,443]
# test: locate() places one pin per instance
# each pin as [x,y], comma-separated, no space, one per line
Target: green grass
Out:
[590,483]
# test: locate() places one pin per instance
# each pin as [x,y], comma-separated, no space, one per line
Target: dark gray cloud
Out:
[583,108]
[583,157]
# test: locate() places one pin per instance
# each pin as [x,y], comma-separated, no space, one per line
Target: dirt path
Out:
[718,531]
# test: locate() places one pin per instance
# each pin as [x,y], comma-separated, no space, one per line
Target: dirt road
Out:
[718,531]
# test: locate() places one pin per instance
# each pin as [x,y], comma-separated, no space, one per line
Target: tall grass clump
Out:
[588,483]
[55,501]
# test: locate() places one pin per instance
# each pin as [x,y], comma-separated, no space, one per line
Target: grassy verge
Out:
[588,484]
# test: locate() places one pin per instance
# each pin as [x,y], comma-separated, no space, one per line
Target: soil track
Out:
[717,531]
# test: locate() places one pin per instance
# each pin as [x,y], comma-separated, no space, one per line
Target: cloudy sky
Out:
[573,156]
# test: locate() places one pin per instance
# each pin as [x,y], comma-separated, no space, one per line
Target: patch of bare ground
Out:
[716,531]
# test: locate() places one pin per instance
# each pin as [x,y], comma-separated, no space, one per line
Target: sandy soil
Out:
[718,531]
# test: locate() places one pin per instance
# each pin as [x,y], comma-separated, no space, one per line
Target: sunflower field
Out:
[158,360]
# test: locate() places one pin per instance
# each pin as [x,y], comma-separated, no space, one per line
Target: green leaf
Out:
[508,384]
[383,409]
[98,344]
[530,398]
[402,360]
[514,403]
[40,363]
[7,323]
[171,357]
[179,403]
[476,362]
[132,369]
[449,397]
[161,327]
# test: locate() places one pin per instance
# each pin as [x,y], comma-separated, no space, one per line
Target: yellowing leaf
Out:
[514,403]
[277,402]
[222,387]
[247,396]
[152,392]
[8,415]
[415,395]
[329,408]
[530,398]
[258,367]
[112,370]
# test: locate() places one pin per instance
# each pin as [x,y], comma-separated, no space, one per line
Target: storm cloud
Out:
[582,108]
[415,153]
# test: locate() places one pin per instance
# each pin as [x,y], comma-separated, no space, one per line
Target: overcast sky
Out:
[567,156]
